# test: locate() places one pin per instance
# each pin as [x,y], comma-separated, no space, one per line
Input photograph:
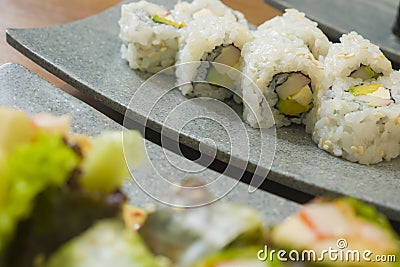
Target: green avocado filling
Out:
[364,89]
[291,107]
[162,20]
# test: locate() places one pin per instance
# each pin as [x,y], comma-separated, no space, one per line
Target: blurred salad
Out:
[41,160]
[61,204]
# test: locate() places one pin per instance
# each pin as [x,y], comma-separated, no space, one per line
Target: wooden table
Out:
[46,13]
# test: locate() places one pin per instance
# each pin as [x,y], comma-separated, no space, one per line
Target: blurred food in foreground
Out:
[346,225]
[61,204]
[46,173]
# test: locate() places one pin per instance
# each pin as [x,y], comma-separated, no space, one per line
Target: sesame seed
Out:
[345,55]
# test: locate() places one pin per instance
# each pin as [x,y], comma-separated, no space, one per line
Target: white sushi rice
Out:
[293,22]
[345,57]
[147,45]
[188,11]
[353,50]
[198,39]
[356,130]
[263,59]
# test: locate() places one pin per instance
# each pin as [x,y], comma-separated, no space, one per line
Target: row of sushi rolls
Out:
[346,93]
[64,198]
[64,201]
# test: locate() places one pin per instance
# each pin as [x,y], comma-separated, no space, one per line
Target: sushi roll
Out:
[150,36]
[345,225]
[293,22]
[186,12]
[287,76]
[360,122]
[357,116]
[220,42]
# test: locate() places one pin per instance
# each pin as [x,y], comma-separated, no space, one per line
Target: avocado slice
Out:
[162,20]
[230,56]
[304,97]
[365,89]
[291,107]
[295,82]
[365,73]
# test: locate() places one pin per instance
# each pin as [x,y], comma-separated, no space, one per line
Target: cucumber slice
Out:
[219,75]
[365,73]
[229,55]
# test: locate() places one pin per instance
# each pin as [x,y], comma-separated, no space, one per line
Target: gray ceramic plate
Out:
[370,18]
[24,90]
[86,54]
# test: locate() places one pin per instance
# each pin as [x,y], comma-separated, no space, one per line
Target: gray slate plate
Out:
[86,55]
[370,18]
[24,90]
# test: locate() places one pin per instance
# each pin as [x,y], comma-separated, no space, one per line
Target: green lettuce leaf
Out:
[30,169]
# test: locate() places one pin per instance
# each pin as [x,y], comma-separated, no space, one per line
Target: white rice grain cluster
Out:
[353,50]
[294,23]
[199,39]
[356,130]
[147,45]
[188,11]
